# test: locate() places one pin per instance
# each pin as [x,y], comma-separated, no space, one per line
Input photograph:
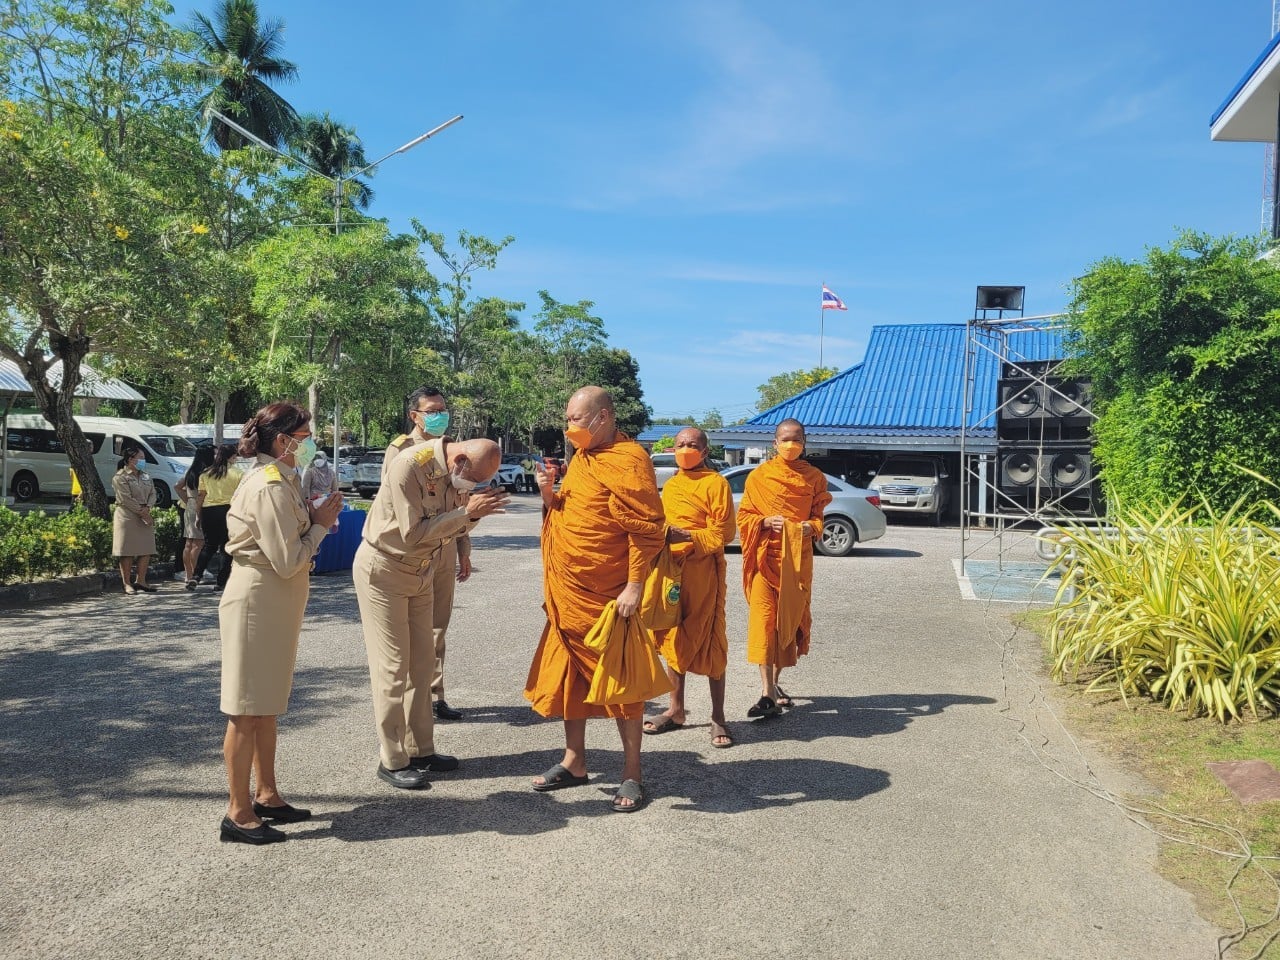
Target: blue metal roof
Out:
[656,432]
[909,383]
[1235,91]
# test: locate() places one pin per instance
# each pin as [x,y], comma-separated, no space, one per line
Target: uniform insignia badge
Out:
[423,455]
[400,440]
[272,473]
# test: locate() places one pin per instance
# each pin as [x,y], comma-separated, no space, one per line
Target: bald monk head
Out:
[590,418]
[476,460]
[693,440]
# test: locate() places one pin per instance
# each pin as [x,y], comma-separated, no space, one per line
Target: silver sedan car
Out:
[853,516]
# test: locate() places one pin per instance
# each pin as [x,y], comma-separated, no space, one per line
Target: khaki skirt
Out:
[130,537]
[260,618]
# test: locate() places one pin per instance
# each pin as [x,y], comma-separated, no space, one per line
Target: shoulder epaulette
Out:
[424,455]
[401,440]
[272,473]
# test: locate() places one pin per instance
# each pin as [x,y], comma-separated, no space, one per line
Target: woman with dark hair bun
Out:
[273,533]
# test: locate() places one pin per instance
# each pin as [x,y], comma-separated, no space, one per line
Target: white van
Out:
[201,434]
[37,462]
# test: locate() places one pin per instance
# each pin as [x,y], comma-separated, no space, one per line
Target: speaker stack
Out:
[1043,444]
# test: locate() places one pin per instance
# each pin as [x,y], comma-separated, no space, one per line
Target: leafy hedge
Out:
[40,546]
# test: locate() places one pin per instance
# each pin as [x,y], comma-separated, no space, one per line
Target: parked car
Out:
[853,516]
[912,485]
[664,466]
[510,477]
[35,461]
[529,481]
[367,476]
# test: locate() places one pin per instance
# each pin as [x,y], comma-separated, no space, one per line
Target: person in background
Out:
[133,531]
[273,536]
[428,418]
[319,479]
[216,487]
[193,535]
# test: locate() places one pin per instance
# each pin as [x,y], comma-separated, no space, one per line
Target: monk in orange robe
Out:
[778,520]
[600,536]
[699,509]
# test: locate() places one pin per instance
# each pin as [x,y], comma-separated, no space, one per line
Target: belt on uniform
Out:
[413,566]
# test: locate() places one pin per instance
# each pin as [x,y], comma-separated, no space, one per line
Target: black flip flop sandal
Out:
[630,790]
[558,777]
[764,708]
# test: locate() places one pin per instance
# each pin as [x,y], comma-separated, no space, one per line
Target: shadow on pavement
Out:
[871,716]
[84,718]
[680,776]
[860,551]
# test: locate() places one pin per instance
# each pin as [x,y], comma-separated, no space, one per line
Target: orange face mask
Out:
[688,457]
[789,449]
[580,435]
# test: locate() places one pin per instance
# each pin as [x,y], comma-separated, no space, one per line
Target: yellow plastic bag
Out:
[660,607]
[629,670]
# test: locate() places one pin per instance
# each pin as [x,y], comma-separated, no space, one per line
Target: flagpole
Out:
[822,318]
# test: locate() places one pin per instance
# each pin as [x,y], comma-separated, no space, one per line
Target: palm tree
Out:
[239,57]
[326,145]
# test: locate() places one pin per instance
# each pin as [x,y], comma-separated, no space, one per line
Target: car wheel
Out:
[25,486]
[838,537]
[164,499]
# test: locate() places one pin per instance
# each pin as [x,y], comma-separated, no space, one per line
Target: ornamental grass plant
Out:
[1181,605]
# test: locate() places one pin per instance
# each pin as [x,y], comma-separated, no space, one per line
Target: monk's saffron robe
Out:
[603,530]
[777,568]
[699,501]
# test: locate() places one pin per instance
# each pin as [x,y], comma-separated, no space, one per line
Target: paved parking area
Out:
[894,813]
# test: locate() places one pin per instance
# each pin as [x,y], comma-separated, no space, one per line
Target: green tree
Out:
[323,295]
[1183,349]
[619,373]
[324,144]
[784,386]
[98,154]
[240,58]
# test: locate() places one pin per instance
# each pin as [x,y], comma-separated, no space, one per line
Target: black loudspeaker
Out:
[1000,298]
[1068,469]
[1052,399]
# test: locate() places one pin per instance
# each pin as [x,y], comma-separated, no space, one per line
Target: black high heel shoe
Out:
[232,832]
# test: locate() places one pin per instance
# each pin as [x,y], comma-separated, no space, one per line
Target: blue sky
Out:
[698,168]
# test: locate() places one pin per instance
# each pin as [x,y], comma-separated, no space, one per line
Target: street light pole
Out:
[337,182]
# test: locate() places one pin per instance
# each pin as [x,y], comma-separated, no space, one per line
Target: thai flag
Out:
[830,301]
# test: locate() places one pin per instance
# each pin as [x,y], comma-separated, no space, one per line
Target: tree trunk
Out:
[188,396]
[220,399]
[57,407]
[313,399]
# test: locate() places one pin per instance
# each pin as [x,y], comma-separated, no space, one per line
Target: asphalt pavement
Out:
[894,813]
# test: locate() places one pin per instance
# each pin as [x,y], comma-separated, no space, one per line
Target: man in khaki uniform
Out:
[424,503]
[428,419]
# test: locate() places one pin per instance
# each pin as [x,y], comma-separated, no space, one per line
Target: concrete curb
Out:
[18,595]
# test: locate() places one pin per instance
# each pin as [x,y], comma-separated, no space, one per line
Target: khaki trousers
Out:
[445,568]
[395,611]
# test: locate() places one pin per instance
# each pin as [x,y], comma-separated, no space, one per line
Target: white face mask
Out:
[461,483]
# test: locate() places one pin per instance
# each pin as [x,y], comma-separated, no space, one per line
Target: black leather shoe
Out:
[282,814]
[443,711]
[406,778]
[232,832]
[435,763]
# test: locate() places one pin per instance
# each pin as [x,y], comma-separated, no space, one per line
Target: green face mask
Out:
[305,451]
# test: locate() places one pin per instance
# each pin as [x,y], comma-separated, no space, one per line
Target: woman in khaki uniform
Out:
[273,533]
[133,531]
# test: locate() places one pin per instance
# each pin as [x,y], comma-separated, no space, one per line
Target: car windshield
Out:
[171,445]
[909,467]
